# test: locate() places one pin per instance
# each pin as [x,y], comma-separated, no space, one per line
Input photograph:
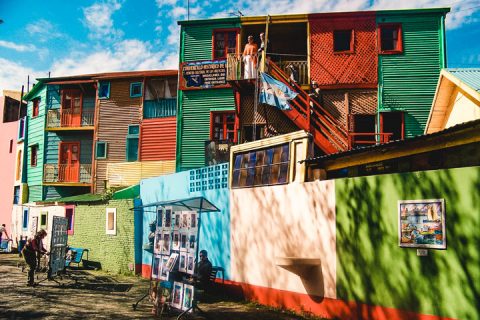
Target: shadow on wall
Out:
[374,270]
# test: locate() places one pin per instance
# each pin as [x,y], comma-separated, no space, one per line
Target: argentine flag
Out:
[275,93]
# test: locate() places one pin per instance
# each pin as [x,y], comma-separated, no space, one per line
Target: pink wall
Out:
[8,131]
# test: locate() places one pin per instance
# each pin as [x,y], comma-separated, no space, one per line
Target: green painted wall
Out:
[36,135]
[194,126]
[373,269]
[408,81]
[114,252]
[194,107]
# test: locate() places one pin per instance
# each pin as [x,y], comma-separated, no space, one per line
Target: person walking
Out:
[3,230]
[30,250]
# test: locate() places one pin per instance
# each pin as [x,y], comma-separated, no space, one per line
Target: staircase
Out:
[328,134]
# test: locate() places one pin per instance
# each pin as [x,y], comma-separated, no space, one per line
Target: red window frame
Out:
[71,221]
[34,155]
[398,27]
[352,41]
[36,107]
[223,125]
[225,32]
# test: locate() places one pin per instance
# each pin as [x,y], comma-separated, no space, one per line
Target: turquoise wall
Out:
[209,182]
[55,100]
[373,269]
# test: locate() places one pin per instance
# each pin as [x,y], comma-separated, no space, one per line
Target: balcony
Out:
[160,108]
[68,175]
[288,63]
[64,120]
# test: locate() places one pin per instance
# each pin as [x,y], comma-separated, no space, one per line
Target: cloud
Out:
[43,30]
[98,20]
[17,47]
[13,75]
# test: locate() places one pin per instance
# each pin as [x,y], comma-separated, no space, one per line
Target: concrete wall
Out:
[115,253]
[7,171]
[36,211]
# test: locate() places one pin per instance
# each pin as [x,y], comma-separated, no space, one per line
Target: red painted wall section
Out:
[343,69]
[158,139]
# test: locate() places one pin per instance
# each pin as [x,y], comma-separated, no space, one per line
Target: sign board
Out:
[58,245]
[34,226]
[203,75]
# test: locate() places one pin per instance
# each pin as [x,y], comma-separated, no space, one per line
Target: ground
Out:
[98,295]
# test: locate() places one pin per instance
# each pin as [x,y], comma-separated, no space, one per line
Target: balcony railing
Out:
[299,68]
[160,108]
[68,119]
[366,138]
[63,173]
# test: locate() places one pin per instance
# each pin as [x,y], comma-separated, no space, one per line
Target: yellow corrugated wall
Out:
[130,173]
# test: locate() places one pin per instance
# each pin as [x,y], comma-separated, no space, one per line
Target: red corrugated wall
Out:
[158,139]
[333,69]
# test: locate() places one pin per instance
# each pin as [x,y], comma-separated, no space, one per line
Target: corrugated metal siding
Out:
[52,192]
[471,76]
[408,81]
[35,193]
[36,135]
[115,114]
[197,39]
[329,68]
[196,123]
[54,139]
[158,139]
[159,109]
[130,173]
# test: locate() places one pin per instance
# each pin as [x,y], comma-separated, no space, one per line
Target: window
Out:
[16,195]
[222,125]
[135,89]
[69,214]
[25,219]
[101,150]
[33,155]
[43,219]
[343,41]
[21,128]
[35,107]
[104,90]
[10,149]
[224,42]
[390,38]
[111,221]
[261,167]
[248,133]
[132,142]
[392,122]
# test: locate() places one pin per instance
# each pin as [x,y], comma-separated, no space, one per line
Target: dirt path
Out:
[99,296]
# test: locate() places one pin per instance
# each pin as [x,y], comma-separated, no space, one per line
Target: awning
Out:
[131,192]
[188,204]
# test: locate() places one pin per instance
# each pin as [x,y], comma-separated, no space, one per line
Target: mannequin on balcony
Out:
[250,59]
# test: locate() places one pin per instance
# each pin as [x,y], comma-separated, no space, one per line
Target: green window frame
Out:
[132,143]
[104,90]
[136,89]
[43,219]
[101,150]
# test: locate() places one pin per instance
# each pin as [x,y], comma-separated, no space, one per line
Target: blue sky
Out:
[75,37]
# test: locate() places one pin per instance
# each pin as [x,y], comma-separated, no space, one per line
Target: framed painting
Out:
[177,294]
[422,224]
[187,297]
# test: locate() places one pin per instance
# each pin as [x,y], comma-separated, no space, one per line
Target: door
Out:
[392,122]
[69,168]
[363,126]
[71,113]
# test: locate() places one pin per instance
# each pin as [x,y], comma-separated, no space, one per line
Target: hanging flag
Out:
[275,93]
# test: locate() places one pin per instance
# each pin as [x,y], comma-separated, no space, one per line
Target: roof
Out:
[36,88]
[188,204]
[473,126]
[127,193]
[469,76]
[88,197]
[12,94]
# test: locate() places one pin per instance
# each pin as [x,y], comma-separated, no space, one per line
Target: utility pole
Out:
[188,9]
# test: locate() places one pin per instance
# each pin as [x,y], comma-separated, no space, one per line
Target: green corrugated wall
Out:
[408,81]
[36,135]
[194,107]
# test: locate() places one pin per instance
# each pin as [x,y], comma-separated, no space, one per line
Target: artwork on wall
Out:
[183,242]
[164,269]
[190,263]
[157,249]
[192,221]
[166,243]
[171,261]
[422,223]
[177,217]
[184,220]
[176,241]
[159,217]
[182,264]
[156,266]
[192,243]
[167,223]
[177,295]
[187,297]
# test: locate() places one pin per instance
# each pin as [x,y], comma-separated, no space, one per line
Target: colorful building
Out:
[363,63]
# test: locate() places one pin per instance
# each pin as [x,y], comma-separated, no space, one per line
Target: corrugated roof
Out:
[111,75]
[88,197]
[394,143]
[470,76]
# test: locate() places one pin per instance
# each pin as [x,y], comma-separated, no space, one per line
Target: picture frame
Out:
[158,243]
[166,243]
[167,221]
[156,266]
[192,242]
[188,292]
[185,216]
[192,220]
[172,260]
[159,217]
[165,272]
[190,263]
[177,295]
[177,217]
[183,241]
[176,241]
[182,263]
[421,224]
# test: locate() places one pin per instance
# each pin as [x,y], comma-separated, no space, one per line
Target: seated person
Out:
[203,270]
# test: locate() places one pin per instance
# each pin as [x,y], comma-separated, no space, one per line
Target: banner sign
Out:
[203,75]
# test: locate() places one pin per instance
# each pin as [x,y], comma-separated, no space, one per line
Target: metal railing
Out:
[356,139]
[160,108]
[287,63]
[63,173]
[65,119]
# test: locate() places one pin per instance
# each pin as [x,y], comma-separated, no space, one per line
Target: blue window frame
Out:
[25,219]
[104,90]
[16,194]
[101,150]
[21,128]
[132,142]
[135,89]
